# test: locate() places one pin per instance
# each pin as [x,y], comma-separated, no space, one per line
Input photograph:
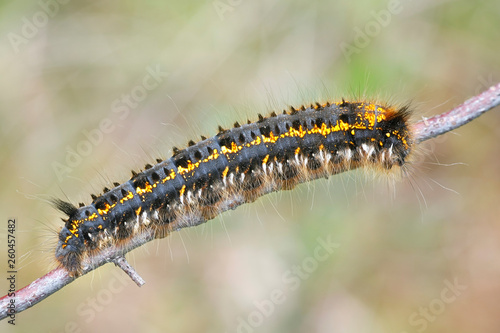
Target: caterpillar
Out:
[234,167]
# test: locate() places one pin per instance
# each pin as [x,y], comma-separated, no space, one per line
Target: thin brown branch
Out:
[125,266]
[471,109]
[59,277]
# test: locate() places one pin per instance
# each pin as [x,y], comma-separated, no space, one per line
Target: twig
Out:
[59,277]
[125,266]
[471,109]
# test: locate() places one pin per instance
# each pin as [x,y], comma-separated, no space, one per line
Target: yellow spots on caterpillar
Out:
[272,137]
[375,114]
[370,117]
[171,176]
[224,173]
[75,224]
[129,196]
[147,188]
[368,106]
[193,166]
[190,167]
[297,133]
[340,126]
[234,149]
[215,155]
[106,209]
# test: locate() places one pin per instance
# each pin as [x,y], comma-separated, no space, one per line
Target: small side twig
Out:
[59,277]
[125,266]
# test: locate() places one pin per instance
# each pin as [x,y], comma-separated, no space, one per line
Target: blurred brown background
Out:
[400,246]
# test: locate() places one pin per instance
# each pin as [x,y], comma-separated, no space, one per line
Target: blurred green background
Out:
[67,67]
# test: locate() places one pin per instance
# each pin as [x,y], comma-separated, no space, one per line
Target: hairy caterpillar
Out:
[235,166]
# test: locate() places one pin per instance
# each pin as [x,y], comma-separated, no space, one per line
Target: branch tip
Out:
[125,266]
